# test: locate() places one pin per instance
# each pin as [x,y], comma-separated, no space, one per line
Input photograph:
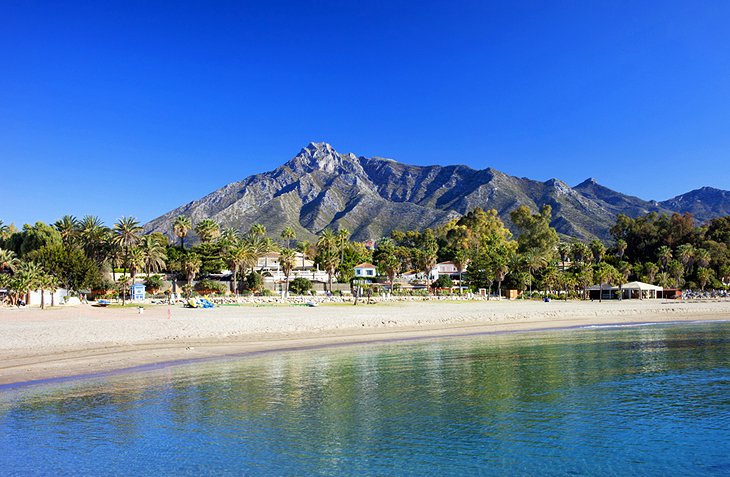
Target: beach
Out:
[73,341]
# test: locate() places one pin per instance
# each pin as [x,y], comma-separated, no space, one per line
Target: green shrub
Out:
[210,287]
[300,286]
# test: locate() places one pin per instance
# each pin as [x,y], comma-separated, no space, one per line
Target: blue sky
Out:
[134,108]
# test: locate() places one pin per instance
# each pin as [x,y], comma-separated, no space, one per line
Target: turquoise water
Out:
[649,400]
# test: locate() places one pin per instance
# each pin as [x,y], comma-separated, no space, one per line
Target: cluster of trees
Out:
[670,251]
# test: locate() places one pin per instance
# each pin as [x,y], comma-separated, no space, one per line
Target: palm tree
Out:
[598,250]
[191,264]
[93,236]
[604,273]
[136,262]
[704,275]
[461,258]
[342,236]
[181,226]
[664,254]
[208,230]
[563,251]
[27,278]
[230,236]
[702,257]
[286,260]
[241,255]
[288,234]
[686,254]
[327,253]
[650,271]
[664,280]
[154,254]
[580,252]
[500,272]
[126,235]
[303,248]
[68,226]
[621,246]
[533,262]
[8,260]
[257,229]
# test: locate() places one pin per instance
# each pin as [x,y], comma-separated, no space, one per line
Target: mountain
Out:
[704,204]
[320,188]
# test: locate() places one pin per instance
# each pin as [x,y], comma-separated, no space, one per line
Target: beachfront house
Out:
[137,291]
[366,270]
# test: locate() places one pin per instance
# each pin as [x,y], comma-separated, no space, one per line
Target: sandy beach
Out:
[41,344]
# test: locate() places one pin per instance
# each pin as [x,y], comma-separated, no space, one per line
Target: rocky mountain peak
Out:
[321,188]
[322,156]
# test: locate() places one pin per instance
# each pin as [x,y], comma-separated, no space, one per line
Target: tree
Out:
[257,230]
[443,281]
[686,254]
[288,234]
[303,247]
[286,260]
[563,253]
[8,260]
[621,248]
[300,285]
[327,255]
[386,260]
[704,275]
[584,277]
[27,278]
[676,271]
[68,266]
[664,254]
[342,236]
[208,230]
[153,254]
[501,269]
[68,227]
[241,256]
[538,241]
[181,226]
[94,238]
[598,250]
[191,265]
[427,254]
[580,252]
[604,273]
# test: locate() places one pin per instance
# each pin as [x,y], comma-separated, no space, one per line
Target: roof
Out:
[445,263]
[365,265]
[640,286]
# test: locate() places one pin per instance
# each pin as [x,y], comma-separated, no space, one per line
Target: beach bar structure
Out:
[640,290]
[137,291]
[627,291]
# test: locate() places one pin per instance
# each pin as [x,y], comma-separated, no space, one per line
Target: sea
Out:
[644,399]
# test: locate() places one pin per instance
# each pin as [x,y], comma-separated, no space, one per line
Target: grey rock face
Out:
[320,188]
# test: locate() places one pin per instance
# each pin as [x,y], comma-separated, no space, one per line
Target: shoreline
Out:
[72,343]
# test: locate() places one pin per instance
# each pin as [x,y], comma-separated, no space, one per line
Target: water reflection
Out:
[600,401]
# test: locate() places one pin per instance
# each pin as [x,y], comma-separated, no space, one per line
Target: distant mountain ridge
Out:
[320,188]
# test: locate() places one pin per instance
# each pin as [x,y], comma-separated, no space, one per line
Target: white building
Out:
[366,270]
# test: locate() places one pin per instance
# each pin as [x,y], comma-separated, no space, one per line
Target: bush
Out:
[300,286]
[444,281]
[254,281]
[210,287]
[154,284]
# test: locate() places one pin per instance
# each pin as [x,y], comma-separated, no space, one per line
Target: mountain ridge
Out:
[371,196]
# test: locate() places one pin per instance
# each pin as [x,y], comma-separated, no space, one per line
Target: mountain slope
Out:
[320,188]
